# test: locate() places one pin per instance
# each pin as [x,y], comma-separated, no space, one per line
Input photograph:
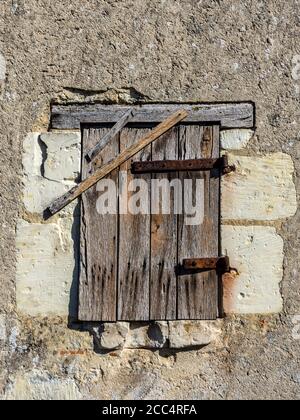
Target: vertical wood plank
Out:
[134,242]
[198,293]
[164,238]
[98,273]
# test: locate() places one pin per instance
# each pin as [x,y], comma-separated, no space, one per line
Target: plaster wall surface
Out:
[150,51]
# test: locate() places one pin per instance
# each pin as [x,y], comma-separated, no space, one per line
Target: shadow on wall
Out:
[74,291]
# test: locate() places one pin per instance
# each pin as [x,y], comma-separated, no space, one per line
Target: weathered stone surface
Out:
[157,335]
[257,254]
[235,139]
[46,267]
[111,336]
[40,386]
[158,50]
[63,152]
[32,155]
[184,334]
[2,67]
[262,188]
[2,328]
[50,169]
[152,336]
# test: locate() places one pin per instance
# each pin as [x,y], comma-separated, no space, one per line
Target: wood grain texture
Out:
[228,115]
[134,242]
[109,135]
[198,293]
[99,233]
[126,154]
[164,239]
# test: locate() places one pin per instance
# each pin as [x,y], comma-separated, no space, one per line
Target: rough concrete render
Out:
[149,51]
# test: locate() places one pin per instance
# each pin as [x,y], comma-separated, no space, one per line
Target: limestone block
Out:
[185,334]
[261,189]
[63,151]
[152,336]
[257,254]
[114,336]
[156,335]
[47,267]
[111,336]
[39,193]
[32,155]
[51,166]
[235,139]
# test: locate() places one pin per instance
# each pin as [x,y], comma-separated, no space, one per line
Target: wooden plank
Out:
[164,240]
[198,293]
[98,274]
[94,152]
[134,242]
[70,196]
[228,115]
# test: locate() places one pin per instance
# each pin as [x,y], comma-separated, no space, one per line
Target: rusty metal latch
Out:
[163,166]
[220,264]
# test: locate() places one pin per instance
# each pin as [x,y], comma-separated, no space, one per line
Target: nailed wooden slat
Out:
[198,293]
[94,152]
[98,274]
[134,242]
[164,238]
[70,196]
[228,115]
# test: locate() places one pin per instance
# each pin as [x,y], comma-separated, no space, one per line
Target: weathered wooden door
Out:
[131,265]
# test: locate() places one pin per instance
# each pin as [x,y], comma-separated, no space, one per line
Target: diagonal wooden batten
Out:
[94,152]
[75,192]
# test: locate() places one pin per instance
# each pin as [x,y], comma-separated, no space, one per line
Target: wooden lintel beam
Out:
[227,115]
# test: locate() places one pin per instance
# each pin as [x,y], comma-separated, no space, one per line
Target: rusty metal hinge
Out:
[163,166]
[220,264]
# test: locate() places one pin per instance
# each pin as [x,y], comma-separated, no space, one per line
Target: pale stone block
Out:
[185,334]
[235,139]
[47,267]
[257,254]
[51,167]
[157,335]
[32,155]
[111,336]
[119,335]
[39,193]
[152,336]
[262,188]
[63,151]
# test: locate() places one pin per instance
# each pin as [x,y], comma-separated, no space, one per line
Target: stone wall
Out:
[258,195]
[149,51]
